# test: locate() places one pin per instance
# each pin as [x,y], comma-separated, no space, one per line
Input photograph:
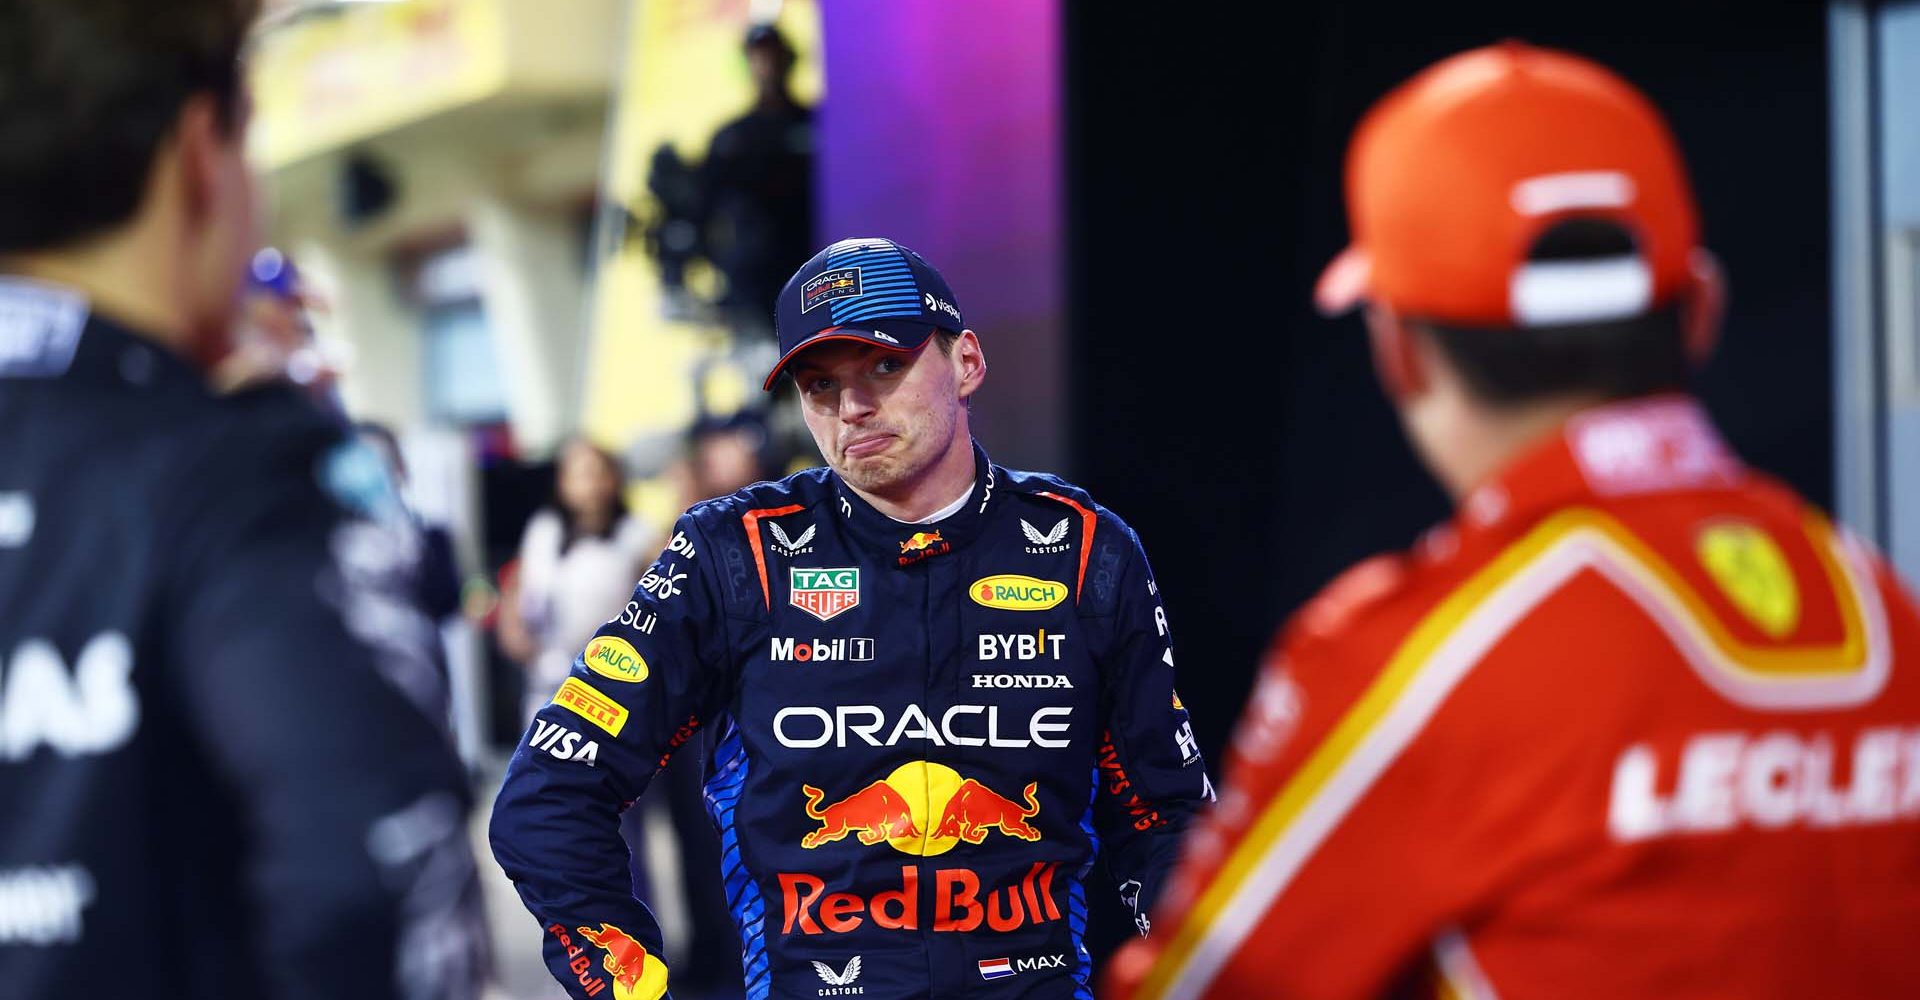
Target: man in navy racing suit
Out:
[938,688]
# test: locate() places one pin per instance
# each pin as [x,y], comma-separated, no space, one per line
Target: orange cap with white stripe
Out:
[1454,176]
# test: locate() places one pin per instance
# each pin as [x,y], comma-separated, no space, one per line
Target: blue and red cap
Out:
[871,290]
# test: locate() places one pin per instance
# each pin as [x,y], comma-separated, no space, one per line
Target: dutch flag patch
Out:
[995,968]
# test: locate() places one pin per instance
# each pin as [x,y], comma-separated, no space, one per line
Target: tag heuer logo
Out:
[823,593]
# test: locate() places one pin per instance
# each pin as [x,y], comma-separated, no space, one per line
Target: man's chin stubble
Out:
[872,475]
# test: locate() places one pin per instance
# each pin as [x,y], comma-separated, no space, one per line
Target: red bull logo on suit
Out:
[636,974]
[922,545]
[922,808]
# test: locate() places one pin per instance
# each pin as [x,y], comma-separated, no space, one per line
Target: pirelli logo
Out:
[577,697]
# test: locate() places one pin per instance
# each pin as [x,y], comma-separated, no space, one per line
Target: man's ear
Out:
[1704,305]
[1395,359]
[198,142]
[972,362]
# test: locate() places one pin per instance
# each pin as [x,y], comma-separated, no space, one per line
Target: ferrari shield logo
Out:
[823,593]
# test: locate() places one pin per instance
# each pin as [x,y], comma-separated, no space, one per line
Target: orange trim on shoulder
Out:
[751,520]
[1088,521]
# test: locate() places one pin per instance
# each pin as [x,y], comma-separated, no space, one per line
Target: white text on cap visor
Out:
[1557,292]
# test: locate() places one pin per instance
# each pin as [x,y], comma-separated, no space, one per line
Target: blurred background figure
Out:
[748,207]
[437,583]
[758,186]
[221,770]
[725,454]
[578,561]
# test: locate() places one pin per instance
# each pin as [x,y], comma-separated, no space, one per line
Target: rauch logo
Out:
[1012,592]
[614,657]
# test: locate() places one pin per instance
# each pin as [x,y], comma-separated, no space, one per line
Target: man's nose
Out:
[857,403]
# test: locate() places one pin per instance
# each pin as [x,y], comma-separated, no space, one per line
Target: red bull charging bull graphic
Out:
[874,813]
[919,541]
[975,809]
[636,974]
[921,545]
[922,808]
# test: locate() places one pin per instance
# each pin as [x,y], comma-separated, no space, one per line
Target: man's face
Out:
[768,65]
[586,484]
[726,462]
[883,418]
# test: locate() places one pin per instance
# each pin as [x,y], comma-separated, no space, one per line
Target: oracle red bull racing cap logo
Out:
[922,808]
[839,283]
[824,593]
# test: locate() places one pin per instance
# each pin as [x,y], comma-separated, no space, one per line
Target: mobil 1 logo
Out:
[789,650]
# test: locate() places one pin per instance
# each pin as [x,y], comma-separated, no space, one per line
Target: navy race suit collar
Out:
[910,544]
[48,331]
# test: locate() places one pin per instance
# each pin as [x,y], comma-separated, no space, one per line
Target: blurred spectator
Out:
[726,454]
[439,577]
[578,561]
[212,787]
[435,579]
[749,207]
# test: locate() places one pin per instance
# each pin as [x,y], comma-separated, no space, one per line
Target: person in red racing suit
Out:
[1639,722]
[939,689]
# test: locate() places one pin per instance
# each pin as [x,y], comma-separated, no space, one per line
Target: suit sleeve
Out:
[1152,779]
[646,681]
[360,878]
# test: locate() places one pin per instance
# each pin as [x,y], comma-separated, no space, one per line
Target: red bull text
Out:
[578,962]
[957,903]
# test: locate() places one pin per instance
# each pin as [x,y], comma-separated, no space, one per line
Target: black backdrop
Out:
[1241,434]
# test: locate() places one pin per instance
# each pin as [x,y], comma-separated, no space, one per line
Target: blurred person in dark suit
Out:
[215,786]
[755,190]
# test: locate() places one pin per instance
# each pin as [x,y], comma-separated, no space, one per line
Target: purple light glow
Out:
[941,128]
